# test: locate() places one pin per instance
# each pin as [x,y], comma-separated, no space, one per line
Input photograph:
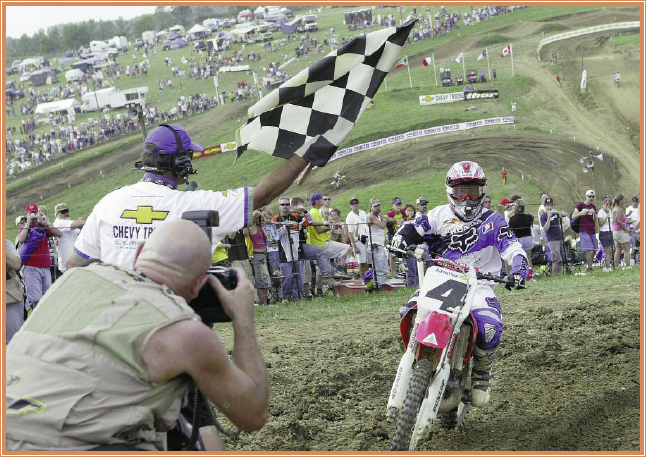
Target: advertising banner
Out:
[440,98]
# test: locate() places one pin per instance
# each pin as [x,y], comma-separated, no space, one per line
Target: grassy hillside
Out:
[82,179]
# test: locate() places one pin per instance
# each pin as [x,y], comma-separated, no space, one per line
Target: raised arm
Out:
[277,181]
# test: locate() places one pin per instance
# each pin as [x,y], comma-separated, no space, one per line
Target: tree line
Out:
[56,40]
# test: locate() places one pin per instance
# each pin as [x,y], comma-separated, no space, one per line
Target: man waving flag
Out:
[482,55]
[312,113]
[506,50]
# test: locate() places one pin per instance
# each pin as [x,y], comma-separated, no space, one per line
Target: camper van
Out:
[113,98]
[148,36]
[102,50]
[176,31]
[119,42]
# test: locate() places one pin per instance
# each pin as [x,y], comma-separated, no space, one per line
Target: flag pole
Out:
[386,83]
[410,81]
[464,72]
[511,51]
[434,70]
[488,67]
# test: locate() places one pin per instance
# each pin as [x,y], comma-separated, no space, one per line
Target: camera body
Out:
[207,304]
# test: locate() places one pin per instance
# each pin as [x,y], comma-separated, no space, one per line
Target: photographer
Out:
[34,253]
[103,367]
[551,223]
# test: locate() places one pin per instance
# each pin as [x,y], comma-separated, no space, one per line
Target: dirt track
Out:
[567,378]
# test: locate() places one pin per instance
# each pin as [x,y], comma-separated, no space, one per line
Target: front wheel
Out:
[414,396]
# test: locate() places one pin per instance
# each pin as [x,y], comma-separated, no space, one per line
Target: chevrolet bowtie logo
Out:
[144,215]
[428,98]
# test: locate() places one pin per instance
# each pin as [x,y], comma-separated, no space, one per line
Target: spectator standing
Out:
[422,207]
[377,241]
[396,217]
[319,237]
[14,293]
[604,218]
[551,223]
[290,266]
[521,224]
[238,252]
[632,212]
[558,80]
[504,176]
[506,204]
[620,231]
[273,240]
[258,237]
[34,253]
[358,233]
[70,230]
[586,212]
[540,211]
[513,106]
[326,201]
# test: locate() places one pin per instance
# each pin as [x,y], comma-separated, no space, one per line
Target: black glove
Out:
[516,281]
[411,247]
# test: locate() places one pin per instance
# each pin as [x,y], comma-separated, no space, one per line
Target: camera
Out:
[207,304]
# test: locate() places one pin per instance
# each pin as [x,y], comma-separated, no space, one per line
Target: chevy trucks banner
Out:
[484,94]
[440,98]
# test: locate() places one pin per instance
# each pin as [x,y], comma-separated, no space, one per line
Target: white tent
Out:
[65,106]
[31,64]
[74,75]
[198,29]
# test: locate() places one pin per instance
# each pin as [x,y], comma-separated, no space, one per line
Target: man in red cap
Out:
[34,253]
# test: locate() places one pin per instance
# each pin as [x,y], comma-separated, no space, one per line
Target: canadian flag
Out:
[506,50]
[427,61]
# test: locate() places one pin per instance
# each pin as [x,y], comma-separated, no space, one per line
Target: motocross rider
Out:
[467,233]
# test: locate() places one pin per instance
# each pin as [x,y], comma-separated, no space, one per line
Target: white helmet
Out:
[466,187]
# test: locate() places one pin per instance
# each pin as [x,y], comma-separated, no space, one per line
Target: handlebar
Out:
[452,265]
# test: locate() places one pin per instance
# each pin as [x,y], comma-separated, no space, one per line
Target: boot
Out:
[481,373]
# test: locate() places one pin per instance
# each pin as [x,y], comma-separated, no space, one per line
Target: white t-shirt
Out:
[66,242]
[128,215]
[357,223]
[607,226]
[633,214]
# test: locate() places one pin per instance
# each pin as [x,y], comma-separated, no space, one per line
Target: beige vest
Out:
[75,374]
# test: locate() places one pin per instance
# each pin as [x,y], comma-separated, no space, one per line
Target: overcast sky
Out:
[30,19]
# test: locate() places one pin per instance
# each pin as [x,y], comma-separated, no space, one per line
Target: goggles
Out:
[462,192]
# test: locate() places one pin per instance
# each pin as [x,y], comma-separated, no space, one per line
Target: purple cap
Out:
[164,141]
[314,197]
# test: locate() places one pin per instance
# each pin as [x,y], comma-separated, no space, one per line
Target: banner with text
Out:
[436,99]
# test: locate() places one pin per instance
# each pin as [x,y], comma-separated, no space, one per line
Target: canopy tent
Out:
[53,107]
[198,31]
[30,64]
[75,74]
[83,65]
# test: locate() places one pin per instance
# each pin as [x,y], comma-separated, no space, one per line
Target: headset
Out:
[181,165]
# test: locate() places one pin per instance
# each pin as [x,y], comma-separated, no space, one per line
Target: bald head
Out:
[178,251]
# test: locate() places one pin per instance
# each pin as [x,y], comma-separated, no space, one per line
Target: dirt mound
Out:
[567,377]
[515,149]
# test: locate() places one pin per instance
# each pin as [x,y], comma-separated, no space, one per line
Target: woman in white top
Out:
[604,216]
[541,210]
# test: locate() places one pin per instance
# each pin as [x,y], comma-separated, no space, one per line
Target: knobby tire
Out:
[414,396]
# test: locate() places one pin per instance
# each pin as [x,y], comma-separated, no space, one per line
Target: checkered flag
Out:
[312,113]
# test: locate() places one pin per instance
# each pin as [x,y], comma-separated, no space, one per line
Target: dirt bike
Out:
[434,375]
[338,181]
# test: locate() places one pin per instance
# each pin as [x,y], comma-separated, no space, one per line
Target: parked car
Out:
[166,45]
[139,43]
[311,27]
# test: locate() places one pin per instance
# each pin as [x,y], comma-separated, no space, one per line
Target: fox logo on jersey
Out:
[144,215]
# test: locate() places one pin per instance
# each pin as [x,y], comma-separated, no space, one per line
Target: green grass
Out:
[354,306]
[397,111]
[627,41]
[493,39]
[551,29]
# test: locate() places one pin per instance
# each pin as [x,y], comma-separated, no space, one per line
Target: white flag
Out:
[506,50]
[459,58]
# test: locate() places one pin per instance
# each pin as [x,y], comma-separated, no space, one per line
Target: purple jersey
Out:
[483,242]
